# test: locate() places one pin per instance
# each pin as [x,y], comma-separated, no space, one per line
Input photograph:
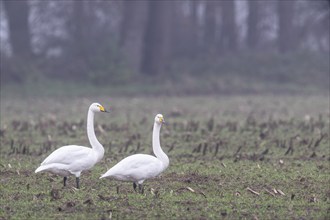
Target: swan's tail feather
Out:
[44,168]
[106,174]
[103,176]
[39,169]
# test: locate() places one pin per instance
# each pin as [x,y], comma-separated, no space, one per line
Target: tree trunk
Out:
[228,40]
[131,36]
[253,34]
[78,32]
[285,29]
[19,31]
[157,38]
[80,60]
[209,25]
[194,26]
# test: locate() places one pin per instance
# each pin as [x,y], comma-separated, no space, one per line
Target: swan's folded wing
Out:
[138,166]
[67,154]
[137,161]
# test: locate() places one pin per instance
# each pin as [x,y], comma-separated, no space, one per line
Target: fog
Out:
[198,45]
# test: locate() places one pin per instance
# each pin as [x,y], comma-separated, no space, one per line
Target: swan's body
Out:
[139,167]
[73,159]
[68,160]
[136,168]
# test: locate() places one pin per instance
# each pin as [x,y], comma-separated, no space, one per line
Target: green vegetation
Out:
[253,157]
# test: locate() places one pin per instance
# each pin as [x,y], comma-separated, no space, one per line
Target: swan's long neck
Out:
[97,147]
[156,146]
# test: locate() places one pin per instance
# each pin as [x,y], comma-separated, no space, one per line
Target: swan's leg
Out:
[77,181]
[64,180]
[134,186]
[141,188]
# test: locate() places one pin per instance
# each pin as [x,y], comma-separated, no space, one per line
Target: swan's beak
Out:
[102,109]
[162,120]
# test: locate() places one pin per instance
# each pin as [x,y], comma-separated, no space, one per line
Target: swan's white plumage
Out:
[136,168]
[73,159]
[139,167]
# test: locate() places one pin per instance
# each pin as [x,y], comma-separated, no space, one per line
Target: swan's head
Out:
[96,107]
[159,119]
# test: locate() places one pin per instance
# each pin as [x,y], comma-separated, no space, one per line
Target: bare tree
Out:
[184,29]
[77,51]
[253,19]
[78,32]
[132,30]
[285,23]
[194,25]
[228,41]
[157,38]
[209,25]
[19,31]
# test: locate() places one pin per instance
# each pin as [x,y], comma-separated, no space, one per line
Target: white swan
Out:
[139,167]
[73,159]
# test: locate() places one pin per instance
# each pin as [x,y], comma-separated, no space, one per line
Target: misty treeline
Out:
[108,41]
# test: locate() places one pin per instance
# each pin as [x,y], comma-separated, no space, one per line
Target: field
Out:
[231,157]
